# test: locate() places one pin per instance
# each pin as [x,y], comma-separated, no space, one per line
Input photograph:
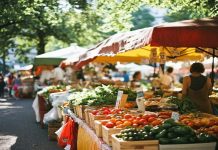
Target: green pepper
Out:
[147,128]
[171,135]
[204,138]
[156,129]
[161,134]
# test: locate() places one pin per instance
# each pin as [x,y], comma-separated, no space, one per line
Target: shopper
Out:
[125,77]
[10,83]
[198,87]
[137,76]
[16,86]
[2,85]
[167,79]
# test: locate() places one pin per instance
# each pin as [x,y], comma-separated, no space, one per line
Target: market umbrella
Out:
[144,54]
[201,34]
[55,57]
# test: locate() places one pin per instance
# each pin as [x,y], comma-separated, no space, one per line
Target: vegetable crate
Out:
[92,119]
[119,144]
[87,119]
[197,146]
[107,132]
[98,128]
[80,111]
[52,128]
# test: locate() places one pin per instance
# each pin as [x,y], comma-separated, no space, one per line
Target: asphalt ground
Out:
[18,127]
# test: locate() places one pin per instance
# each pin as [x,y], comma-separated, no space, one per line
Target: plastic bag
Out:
[50,116]
[66,136]
[35,106]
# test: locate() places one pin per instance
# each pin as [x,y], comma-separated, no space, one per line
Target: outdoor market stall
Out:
[109,117]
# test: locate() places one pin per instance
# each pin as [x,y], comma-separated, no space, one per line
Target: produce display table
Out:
[87,139]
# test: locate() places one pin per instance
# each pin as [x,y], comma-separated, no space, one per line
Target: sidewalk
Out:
[18,128]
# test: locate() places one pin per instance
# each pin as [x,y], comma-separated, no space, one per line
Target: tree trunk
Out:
[4,62]
[42,42]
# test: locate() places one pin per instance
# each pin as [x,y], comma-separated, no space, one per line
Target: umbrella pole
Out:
[212,75]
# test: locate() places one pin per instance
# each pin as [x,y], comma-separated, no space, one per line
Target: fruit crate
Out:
[98,127]
[107,132]
[119,144]
[80,111]
[87,111]
[92,119]
[196,146]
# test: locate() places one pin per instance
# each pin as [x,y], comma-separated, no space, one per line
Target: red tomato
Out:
[145,123]
[104,108]
[119,123]
[145,117]
[106,112]
[94,112]
[127,116]
[156,122]
[141,121]
[138,118]
[153,115]
[135,121]
[151,119]
[109,125]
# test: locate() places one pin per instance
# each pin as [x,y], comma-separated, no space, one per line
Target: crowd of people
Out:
[196,85]
[10,84]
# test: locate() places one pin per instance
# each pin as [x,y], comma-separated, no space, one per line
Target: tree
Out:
[192,8]
[142,18]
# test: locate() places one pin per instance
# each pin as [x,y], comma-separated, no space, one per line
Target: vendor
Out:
[137,76]
[198,87]
[167,79]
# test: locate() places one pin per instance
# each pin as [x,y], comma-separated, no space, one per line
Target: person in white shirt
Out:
[58,74]
[167,78]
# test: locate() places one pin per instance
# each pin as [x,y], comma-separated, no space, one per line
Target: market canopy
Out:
[184,34]
[55,57]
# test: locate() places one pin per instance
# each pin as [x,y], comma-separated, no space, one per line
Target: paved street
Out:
[18,129]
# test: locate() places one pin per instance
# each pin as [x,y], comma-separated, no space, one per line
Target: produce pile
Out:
[185,105]
[51,89]
[201,122]
[117,118]
[169,132]
[101,95]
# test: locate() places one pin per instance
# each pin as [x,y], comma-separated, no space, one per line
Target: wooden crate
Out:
[98,127]
[80,111]
[107,132]
[87,111]
[196,146]
[119,144]
[92,119]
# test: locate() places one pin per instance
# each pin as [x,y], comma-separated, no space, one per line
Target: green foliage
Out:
[142,18]
[189,8]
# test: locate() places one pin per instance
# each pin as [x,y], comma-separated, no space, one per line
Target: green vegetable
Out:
[204,138]
[147,128]
[171,135]
[161,134]
[156,129]
[185,105]
[179,140]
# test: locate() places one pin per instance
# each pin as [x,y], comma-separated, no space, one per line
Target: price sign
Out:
[175,116]
[121,99]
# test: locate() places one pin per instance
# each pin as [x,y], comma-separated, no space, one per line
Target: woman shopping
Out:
[198,87]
